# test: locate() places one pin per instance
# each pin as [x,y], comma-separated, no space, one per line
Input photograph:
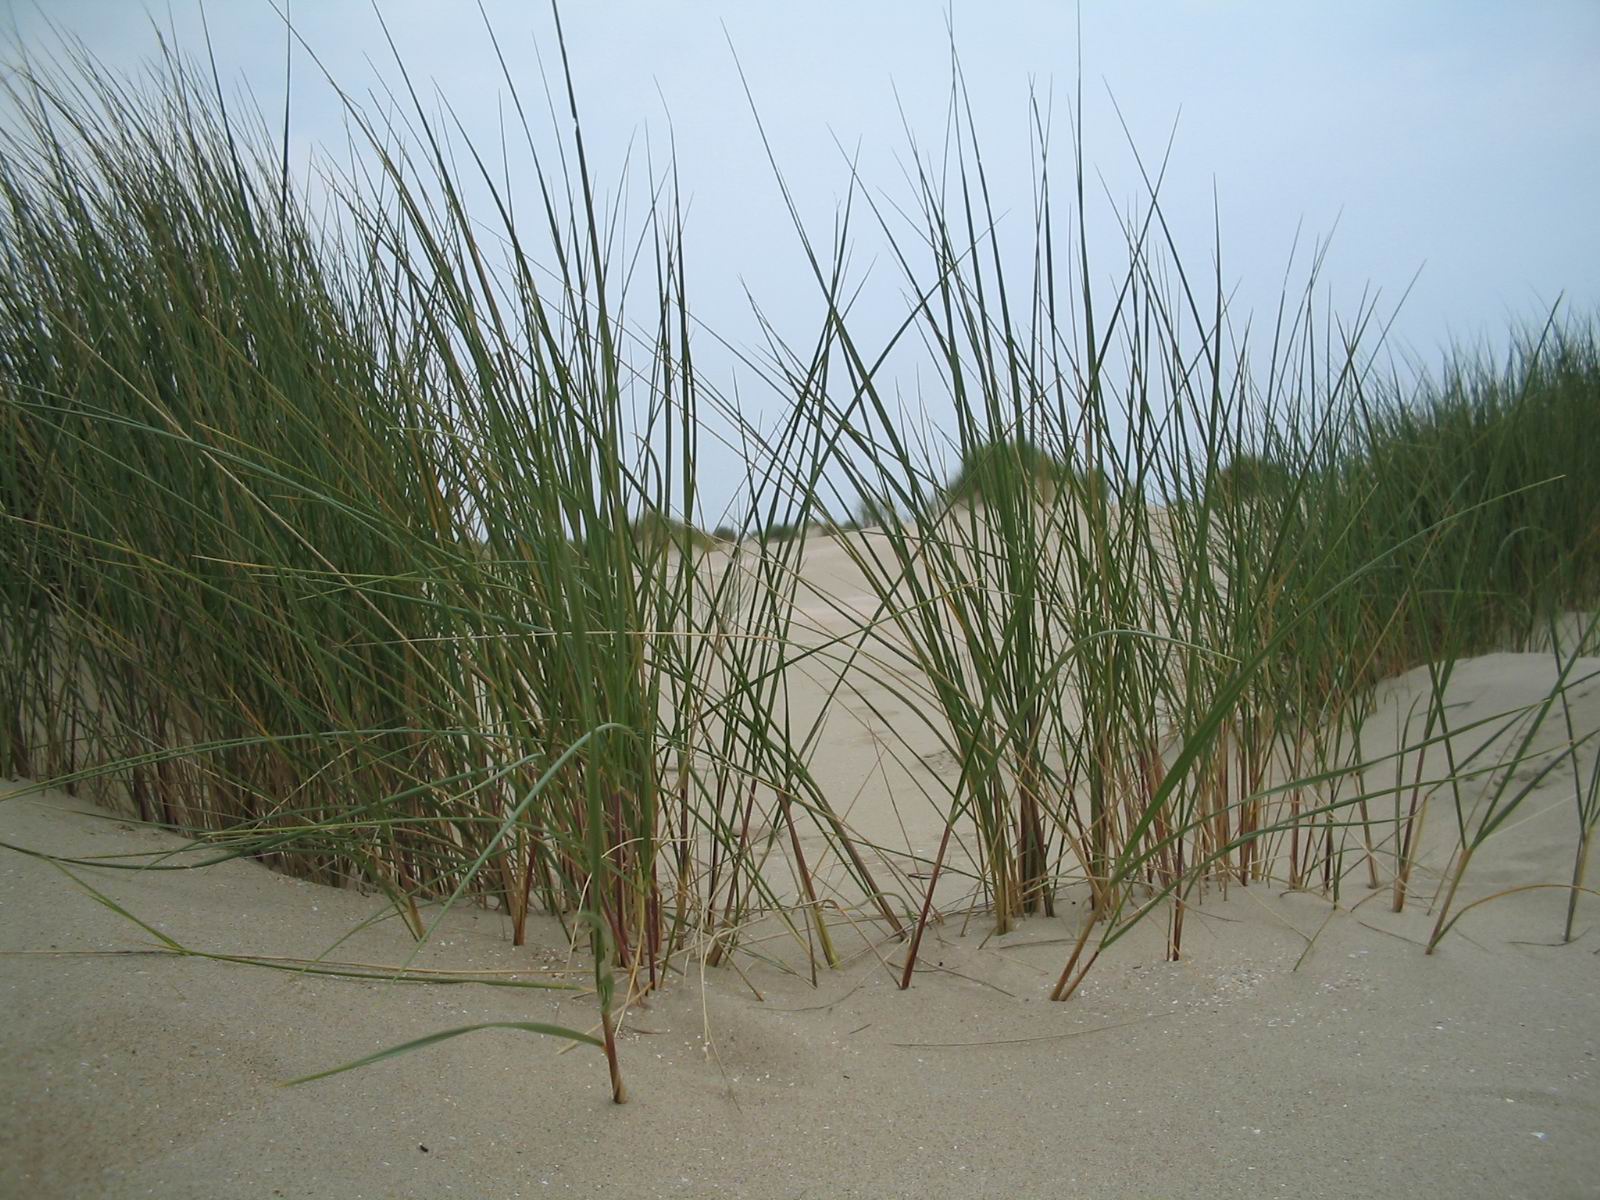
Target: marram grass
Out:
[359,536]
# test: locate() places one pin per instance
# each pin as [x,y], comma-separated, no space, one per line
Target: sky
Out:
[1451,147]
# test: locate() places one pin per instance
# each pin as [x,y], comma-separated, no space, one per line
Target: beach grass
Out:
[361,533]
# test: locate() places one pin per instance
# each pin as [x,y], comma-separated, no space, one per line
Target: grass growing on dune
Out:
[1125,684]
[333,542]
[362,540]
[990,469]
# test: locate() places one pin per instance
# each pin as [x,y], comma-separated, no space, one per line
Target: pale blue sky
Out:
[1461,138]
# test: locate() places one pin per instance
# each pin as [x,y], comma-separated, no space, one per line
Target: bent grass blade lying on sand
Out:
[365,971]
[557,1031]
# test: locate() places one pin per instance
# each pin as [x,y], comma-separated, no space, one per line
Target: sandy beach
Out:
[1299,1049]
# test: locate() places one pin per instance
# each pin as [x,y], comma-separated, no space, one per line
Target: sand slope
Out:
[1369,1070]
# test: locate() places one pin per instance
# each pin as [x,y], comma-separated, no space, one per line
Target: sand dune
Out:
[1299,1048]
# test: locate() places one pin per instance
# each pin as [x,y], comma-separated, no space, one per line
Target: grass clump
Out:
[318,531]
[658,530]
[1008,468]
[1252,476]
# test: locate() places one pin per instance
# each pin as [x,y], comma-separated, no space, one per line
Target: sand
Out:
[1299,1049]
